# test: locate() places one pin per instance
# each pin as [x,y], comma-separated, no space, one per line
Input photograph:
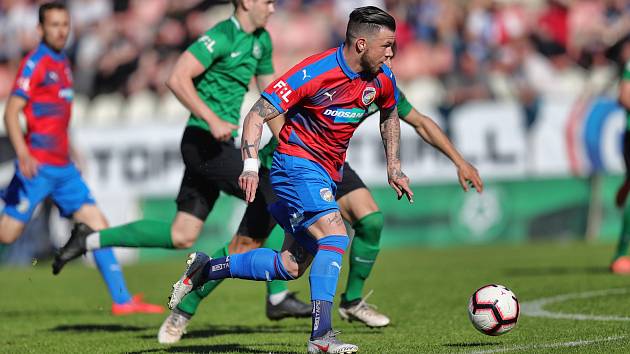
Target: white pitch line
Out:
[528,348]
[535,308]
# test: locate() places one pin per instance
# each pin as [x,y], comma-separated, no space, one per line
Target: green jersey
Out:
[265,155]
[626,77]
[231,58]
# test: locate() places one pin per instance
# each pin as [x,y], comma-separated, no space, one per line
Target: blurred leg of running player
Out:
[621,262]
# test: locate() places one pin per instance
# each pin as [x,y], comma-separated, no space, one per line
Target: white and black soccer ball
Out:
[493,309]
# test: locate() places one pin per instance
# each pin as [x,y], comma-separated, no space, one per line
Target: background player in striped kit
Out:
[43,91]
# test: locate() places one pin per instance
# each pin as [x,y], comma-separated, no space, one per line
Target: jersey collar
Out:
[236,23]
[344,65]
[49,51]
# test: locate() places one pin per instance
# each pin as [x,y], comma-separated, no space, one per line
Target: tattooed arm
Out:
[261,112]
[390,133]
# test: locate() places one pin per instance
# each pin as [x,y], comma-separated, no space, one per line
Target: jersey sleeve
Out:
[389,91]
[287,90]
[26,79]
[210,47]
[626,71]
[265,64]
[403,106]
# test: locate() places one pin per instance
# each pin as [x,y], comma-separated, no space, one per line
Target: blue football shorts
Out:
[305,193]
[63,184]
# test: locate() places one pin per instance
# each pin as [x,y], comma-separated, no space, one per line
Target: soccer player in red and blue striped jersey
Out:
[43,91]
[324,98]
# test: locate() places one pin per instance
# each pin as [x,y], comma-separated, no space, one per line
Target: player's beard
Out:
[368,66]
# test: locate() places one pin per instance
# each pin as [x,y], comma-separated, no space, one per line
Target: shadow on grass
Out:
[218,330]
[542,271]
[212,331]
[471,344]
[97,328]
[49,313]
[219,348]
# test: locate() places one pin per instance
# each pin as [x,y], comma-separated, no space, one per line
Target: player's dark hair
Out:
[368,20]
[55,5]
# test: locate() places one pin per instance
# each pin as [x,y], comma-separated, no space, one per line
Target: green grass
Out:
[425,292]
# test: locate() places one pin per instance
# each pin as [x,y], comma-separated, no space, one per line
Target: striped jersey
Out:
[324,101]
[44,79]
[265,155]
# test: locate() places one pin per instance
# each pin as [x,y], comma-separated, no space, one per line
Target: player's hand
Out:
[28,165]
[469,177]
[248,181]
[222,130]
[400,183]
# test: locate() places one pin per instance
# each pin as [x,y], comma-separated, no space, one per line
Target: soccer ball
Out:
[493,309]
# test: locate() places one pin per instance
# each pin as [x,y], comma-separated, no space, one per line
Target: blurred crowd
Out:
[448,51]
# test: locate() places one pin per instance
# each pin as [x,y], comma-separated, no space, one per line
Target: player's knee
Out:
[182,239]
[5,237]
[292,267]
[9,232]
[242,244]
[369,227]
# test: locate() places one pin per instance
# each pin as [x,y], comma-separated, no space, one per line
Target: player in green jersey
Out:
[210,79]
[621,261]
[357,207]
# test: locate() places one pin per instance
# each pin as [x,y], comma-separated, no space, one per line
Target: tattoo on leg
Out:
[335,219]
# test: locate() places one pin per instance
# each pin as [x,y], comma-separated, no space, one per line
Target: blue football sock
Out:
[112,275]
[326,267]
[321,320]
[217,268]
[258,264]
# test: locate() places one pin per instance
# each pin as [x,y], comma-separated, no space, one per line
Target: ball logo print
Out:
[493,309]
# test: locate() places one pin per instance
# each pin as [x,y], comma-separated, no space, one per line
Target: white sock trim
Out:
[93,241]
[275,299]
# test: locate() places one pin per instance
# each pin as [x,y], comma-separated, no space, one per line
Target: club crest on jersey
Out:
[256,50]
[51,78]
[326,194]
[368,95]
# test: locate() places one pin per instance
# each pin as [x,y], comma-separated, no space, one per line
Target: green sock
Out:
[363,252]
[191,301]
[624,238]
[141,233]
[275,241]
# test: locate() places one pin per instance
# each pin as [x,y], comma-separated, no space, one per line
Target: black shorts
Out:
[350,182]
[212,167]
[253,221]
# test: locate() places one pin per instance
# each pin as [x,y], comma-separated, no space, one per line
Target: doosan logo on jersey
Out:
[343,114]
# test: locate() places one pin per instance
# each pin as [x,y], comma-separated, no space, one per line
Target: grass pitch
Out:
[425,292]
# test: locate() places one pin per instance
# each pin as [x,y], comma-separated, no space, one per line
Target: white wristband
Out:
[250,164]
